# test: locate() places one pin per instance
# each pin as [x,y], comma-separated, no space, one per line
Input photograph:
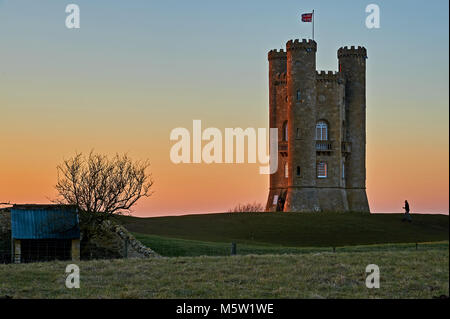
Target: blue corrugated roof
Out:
[44,222]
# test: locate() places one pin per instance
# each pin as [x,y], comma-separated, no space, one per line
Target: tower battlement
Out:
[329,76]
[352,51]
[301,45]
[275,54]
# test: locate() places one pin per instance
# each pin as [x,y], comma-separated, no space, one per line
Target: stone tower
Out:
[320,118]
[352,65]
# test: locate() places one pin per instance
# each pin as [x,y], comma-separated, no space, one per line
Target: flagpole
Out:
[313,24]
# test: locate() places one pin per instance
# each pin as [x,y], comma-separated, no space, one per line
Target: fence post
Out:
[233,249]
[125,253]
[417,246]
[17,251]
[75,249]
[12,250]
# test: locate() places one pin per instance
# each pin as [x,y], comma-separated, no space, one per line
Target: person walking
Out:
[407,216]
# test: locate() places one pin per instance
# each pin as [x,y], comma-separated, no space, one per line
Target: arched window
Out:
[298,170]
[321,131]
[322,170]
[286,170]
[299,95]
[285,131]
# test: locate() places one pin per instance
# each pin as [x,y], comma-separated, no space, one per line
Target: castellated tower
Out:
[321,119]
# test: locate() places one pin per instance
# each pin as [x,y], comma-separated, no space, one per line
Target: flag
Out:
[307,17]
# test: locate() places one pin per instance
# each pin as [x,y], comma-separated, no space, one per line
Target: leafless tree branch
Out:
[101,186]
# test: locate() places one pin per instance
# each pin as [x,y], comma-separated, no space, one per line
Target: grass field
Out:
[269,233]
[279,256]
[404,274]
[174,247]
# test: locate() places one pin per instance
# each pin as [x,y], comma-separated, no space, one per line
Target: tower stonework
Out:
[352,64]
[321,121]
[277,114]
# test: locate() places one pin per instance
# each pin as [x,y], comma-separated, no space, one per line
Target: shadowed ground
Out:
[295,229]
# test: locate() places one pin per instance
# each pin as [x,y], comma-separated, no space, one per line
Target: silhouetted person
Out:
[280,203]
[407,214]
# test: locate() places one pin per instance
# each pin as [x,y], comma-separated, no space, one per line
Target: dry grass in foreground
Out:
[404,274]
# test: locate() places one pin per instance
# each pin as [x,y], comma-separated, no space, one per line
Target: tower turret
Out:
[277,116]
[352,65]
[301,93]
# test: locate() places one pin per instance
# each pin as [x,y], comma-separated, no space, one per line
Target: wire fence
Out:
[37,250]
[40,252]
[52,250]
[189,248]
[5,257]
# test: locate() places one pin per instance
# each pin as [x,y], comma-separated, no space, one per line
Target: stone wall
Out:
[5,236]
[114,241]
[5,221]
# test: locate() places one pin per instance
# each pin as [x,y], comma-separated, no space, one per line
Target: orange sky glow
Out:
[121,87]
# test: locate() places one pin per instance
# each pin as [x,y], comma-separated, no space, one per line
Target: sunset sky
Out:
[135,70]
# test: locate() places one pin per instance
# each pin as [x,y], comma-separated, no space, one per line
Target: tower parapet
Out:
[275,55]
[352,51]
[307,45]
[330,76]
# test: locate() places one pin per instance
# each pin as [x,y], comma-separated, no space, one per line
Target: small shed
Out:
[45,232]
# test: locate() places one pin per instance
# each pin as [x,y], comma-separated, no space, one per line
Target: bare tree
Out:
[101,186]
[247,208]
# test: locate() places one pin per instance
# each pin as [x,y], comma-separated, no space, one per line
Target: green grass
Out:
[174,247]
[292,229]
[404,274]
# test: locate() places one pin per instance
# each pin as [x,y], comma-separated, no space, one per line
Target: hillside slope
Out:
[295,229]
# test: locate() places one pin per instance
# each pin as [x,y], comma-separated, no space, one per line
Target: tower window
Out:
[285,131]
[343,170]
[299,95]
[298,133]
[286,170]
[322,171]
[298,170]
[322,131]
[275,200]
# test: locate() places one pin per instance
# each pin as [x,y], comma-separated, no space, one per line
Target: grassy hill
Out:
[290,229]
[297,259]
